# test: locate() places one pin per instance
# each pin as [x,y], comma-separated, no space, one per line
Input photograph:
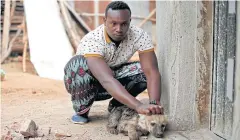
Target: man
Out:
[100,70]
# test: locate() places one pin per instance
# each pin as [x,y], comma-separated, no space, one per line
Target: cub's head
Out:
[156,124]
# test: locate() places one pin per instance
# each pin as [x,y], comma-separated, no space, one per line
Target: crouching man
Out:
[101,69]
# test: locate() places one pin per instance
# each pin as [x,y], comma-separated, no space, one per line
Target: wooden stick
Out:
[80,20]
[102,15]
[6,27]
[147,18]
[70,30]
[10,46]
[13,9]
[25,40]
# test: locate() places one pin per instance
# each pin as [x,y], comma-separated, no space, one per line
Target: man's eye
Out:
[153,123]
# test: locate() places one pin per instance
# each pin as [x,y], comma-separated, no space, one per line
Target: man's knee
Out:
[138,88]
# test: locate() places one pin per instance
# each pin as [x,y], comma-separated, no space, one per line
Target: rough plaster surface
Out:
[204,51]
[180,33]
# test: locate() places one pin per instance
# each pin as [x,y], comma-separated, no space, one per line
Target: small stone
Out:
[12,136]
[17,136]
[62,135]
[8,136]
[35,139]
[28,128]
[15,126]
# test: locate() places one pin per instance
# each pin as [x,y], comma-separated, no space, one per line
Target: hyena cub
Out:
[127,121]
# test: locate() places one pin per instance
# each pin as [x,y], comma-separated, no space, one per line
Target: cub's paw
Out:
[134,137]
[112,130]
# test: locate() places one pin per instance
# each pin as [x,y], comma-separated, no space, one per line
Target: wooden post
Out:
[69,28]
[13,9]
[79,19]
[25,40]
[6,27]
[7,51]
[147,18]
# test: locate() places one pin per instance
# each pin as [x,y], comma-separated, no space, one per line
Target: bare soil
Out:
[26,95]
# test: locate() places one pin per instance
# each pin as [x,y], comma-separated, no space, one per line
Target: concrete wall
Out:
[184,51]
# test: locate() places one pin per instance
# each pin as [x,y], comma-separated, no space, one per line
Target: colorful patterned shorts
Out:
[85,89]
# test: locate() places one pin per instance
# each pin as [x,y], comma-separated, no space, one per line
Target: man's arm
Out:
[103,74]
[149,66]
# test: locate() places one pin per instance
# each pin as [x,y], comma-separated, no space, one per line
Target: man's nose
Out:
[119,28]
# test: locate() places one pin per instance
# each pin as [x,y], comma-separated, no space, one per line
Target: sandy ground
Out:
[26,95]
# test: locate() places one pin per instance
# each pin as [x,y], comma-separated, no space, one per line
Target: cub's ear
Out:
[165,118]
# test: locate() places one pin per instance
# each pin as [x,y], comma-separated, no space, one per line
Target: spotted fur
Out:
[129,122]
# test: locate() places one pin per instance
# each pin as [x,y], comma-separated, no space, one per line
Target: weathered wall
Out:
[236,114]
[184,38]
[86,7]
[89,7]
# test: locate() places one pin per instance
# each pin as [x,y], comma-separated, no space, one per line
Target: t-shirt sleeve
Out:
[145,43]
[90,47]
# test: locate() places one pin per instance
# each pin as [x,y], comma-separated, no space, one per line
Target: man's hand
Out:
[149,109]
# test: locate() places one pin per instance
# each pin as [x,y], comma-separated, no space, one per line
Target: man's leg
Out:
[82,86]
[131,76]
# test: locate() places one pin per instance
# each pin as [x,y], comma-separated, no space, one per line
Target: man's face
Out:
[117,23]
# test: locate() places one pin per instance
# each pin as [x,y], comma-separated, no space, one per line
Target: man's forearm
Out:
[154,86]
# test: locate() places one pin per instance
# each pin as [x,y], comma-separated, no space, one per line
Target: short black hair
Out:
[117,5]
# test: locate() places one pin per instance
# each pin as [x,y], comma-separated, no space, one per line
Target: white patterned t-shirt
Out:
[97,43]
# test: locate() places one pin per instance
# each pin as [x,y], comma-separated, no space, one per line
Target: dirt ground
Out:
[26,95]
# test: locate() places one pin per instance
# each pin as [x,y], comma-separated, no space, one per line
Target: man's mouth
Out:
[119,35]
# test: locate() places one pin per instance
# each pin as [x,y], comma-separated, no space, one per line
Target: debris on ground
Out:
[29,130]
[59,135]
[3,75]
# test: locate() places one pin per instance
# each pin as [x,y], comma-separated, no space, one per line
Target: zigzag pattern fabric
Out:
[84,87]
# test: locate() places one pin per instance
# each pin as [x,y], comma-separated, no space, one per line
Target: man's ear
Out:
[104,20]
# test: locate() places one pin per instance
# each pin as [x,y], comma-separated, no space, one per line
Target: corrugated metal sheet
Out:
[224,50]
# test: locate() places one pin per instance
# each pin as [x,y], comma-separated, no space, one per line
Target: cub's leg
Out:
[132,129]
[142,132]
[113,119]
[132,132]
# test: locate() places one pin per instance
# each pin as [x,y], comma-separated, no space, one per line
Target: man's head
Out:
[117,20]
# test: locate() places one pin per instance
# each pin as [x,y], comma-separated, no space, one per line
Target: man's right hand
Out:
[149,109]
